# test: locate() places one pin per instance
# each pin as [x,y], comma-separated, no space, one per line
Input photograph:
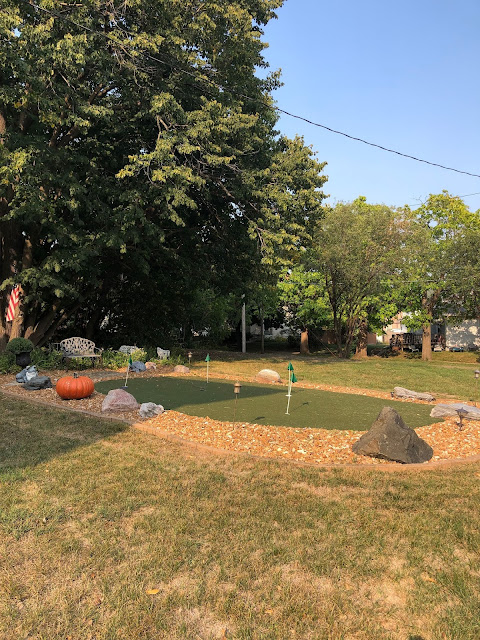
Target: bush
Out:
[19,345]
[7,363]
[45,359]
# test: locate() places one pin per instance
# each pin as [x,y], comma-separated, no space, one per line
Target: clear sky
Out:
[401,74]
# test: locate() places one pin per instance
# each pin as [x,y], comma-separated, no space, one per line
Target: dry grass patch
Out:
[111,534]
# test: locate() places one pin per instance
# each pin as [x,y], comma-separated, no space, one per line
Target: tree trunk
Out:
[427,341]
[262,331]
[304,350]
[361,351]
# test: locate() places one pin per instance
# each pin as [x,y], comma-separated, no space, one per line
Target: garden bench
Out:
[80,348]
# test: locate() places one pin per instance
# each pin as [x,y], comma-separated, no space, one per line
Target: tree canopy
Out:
[139,160]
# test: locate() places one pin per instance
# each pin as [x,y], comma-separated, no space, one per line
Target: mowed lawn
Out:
[111,534]
[447,375]
[267,404]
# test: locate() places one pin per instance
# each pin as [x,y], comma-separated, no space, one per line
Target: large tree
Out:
[434,282]
[357,249]
[128,144]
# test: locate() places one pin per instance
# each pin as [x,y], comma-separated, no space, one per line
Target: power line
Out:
[246,97]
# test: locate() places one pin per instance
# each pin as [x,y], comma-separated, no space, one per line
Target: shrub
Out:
[7,363]
[45,359]
[114,359]
[19,345]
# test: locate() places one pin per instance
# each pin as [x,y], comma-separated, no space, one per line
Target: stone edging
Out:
[145,428]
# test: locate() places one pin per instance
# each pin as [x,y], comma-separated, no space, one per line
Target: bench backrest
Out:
[77,345]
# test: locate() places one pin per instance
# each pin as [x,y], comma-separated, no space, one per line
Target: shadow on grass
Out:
[31,434]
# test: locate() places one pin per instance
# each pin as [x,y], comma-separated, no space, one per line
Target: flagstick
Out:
[128,369]
[289,394]
[207,371]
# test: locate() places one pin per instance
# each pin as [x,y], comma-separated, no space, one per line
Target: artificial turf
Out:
[266,404]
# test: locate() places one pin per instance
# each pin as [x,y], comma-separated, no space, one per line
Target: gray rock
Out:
[137,366]
[150,409]
[180,368]
[268,375]
[37,383]
[389,438]
[447,410]
[119,400]
[400,392]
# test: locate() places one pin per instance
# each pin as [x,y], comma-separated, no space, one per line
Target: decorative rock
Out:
[447,410]
[180,368]
[389,438]
[150,409]
[137,366]
[119,400]
[150,365]
[267,375]
[26,374]
[37,383]
[400,392]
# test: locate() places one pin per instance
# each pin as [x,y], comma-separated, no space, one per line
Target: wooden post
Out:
[244,328]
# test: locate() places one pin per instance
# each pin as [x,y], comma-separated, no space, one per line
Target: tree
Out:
[304,301]
[125,134]
[433,275]
[356,251]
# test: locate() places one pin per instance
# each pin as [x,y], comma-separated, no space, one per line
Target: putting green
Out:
[266,404]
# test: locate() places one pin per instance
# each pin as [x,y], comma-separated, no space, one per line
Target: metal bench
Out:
[80,348]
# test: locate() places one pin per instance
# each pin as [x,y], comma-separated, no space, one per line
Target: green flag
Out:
[294,378]
[290,366]
[207,359]
[130,361]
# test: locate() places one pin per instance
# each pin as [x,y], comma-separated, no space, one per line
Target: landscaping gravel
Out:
[318,446]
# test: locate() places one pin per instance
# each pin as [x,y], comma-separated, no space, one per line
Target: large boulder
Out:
[181,368]
[268,375]
[119,400]
[37,383]
[150,409]
[389,438]
[447,410]
[400,392]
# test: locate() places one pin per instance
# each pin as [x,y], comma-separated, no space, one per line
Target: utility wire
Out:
[246,97]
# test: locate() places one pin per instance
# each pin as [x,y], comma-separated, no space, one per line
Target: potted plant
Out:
[21,348]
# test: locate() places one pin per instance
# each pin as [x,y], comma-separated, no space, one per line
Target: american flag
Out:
[13,303]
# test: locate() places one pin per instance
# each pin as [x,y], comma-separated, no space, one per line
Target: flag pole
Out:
[289,394]
[207,360]
[128,369]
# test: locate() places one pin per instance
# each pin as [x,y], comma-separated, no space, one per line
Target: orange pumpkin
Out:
[74,388]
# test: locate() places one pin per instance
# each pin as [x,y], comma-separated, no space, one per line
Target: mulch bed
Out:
[314,446]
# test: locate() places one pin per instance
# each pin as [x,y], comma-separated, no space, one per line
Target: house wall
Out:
[466,334]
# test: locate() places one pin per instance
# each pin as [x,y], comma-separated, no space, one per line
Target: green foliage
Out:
[45,359]
[122,178]
[19,345]
[116,360]
[437,279]
[7,363]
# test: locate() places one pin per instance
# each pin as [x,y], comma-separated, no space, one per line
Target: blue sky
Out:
[401,74]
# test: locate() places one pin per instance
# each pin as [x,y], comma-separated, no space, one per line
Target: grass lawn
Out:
[446,376]
[266,404]
[94,515]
